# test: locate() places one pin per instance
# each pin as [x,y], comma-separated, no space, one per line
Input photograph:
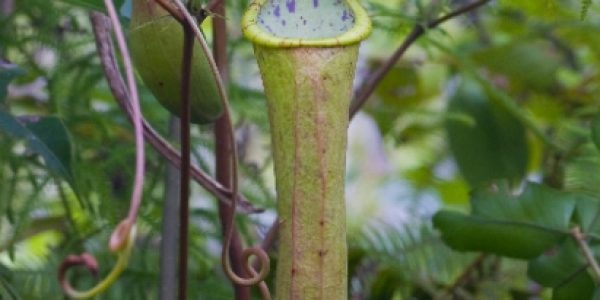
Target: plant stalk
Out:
[223,150]
[308,92]
[184,205]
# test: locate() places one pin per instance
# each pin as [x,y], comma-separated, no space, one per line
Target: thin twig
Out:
[184,121]
[369,85]
[587,252]
[115,81]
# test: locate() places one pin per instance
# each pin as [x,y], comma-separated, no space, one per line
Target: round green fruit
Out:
[156,43]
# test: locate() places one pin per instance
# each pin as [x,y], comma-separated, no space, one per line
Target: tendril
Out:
[261,255]
[123,237]
[89,262]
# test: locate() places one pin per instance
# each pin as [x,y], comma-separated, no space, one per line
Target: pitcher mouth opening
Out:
[305,23]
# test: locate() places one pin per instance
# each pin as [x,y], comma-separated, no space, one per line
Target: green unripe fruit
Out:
[156,43]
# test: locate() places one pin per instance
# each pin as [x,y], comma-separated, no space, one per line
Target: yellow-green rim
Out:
[253,32]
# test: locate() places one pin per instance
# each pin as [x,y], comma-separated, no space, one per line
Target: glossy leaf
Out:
[492,144]
[521,227]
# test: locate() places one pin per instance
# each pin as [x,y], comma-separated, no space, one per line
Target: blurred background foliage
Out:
[502,95]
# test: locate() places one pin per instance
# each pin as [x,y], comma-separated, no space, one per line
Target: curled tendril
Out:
[122,238]
[88,261]
[261,255]
[249,268]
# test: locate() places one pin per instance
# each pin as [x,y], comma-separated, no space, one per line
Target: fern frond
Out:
[415,254]
[581,172]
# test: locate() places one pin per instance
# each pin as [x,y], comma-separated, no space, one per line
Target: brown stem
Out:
[217,7]
[105,50]
[257,278]
[223,174]
[369,85]
[587,252]
[223,150]
[268,242]
[184,201]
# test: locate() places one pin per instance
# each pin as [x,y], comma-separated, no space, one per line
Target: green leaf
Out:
[492,145]
[580,287]
[7,73]
[558,266]
[519,227]
[564,267]
[46,136]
